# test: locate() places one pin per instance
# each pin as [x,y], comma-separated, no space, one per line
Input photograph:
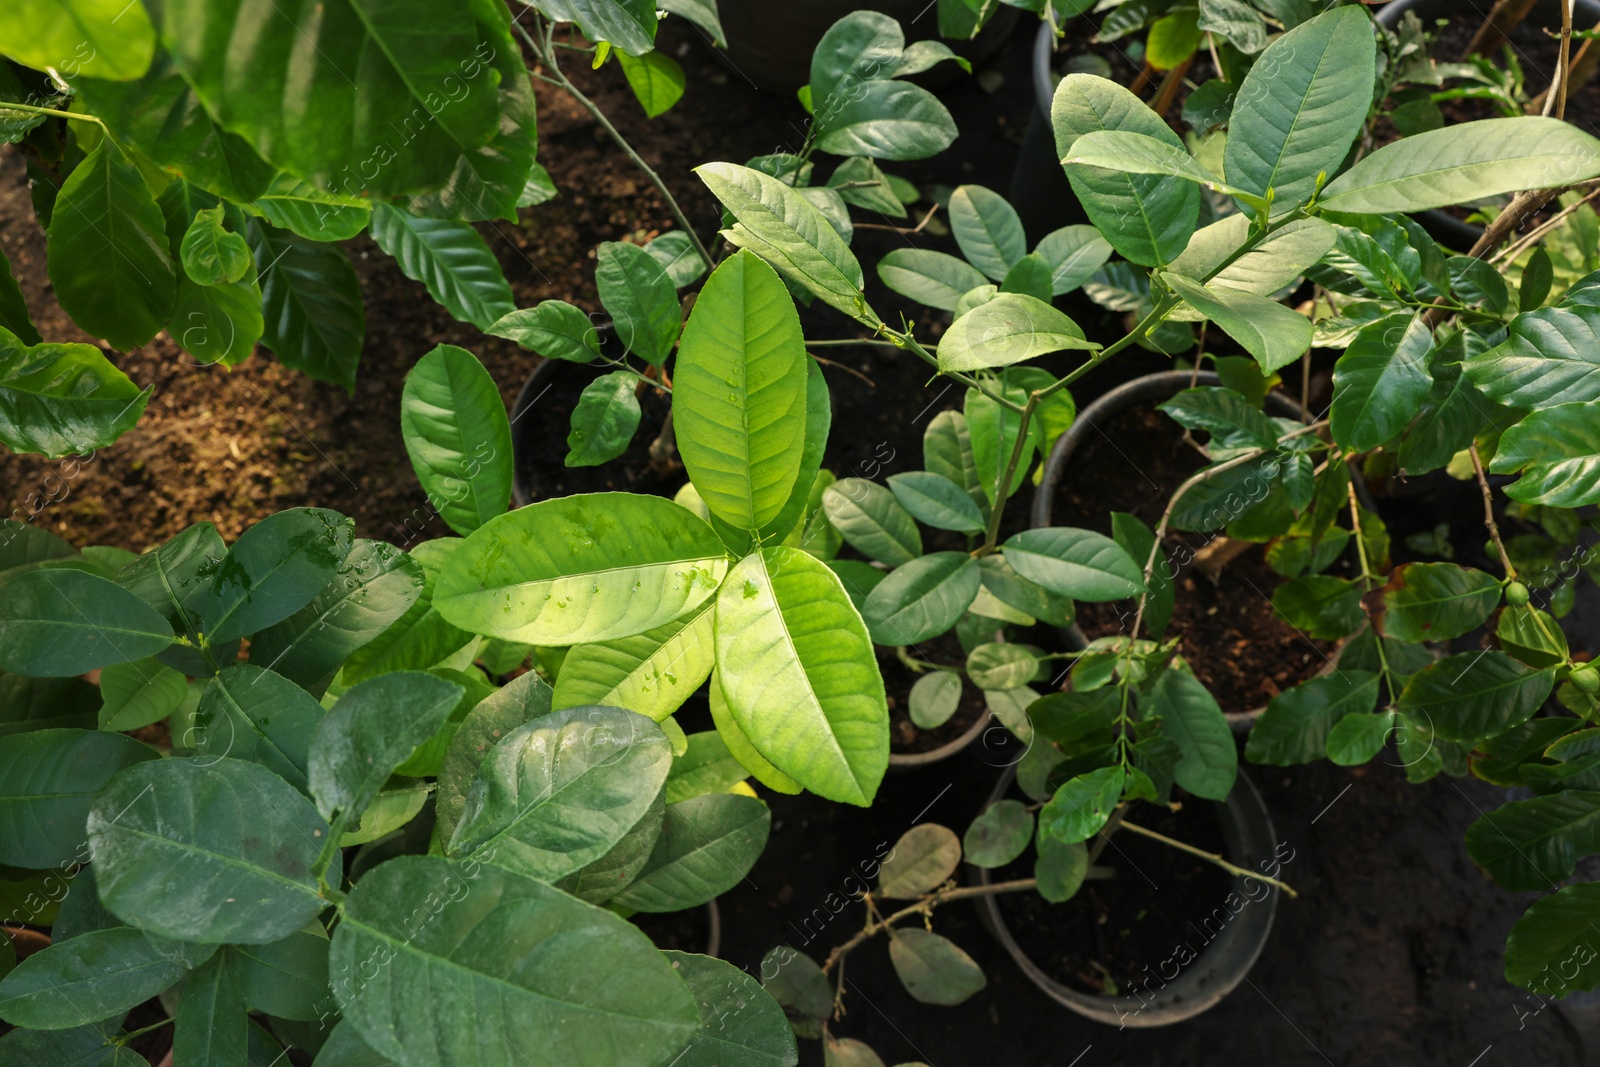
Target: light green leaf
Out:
[48,781]
[583,568]
[932,968]
[450,259]
[1557,451]
[920,862]
[934,698]
[554,329]
[884,120]
[1273,265]
[987,229]
[869,517]
[739,394]
[1073,563]
[707,846]
[57,622]
[1274,334]
[1475,695]
[212,850]
[739,746]
[94,38]
[1356,739]
[457,436]
[1136,153]
[533,968]
[797,670]
[558,792]
[1463,162]
[652,673]
[677,256]
[706,766]
[947,451]
[1008,329]
[1299,109]
[994,666]
[300,207]
[642,300]
[859,182]
[139,693]
[921,599]
[370,731]
[656,80]
[936,279]
[211,254]
[1437,601]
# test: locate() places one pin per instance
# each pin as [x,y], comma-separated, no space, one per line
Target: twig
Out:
[901,229]
[1488,511]
[843,367]
[1209,856]
[1558,88]
[1523,243]
[923,907]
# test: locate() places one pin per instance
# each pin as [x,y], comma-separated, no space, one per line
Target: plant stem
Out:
[1002,491]
[1488,511]
[1209,856]
[123,1039]
[923,907]
[547,56]
[6,105]
[1367,579]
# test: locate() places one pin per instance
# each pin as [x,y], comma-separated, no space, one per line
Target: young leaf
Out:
[63,399]
[1550,357]
[139,693]
[1191,718]
[212,254]
[1464,162]
[872,521]
[1294,729]
[1147,218]
[1557,451]
[999,835]
[1536,844]
[1437,601]
[656,80]
[457,437]
[740,392]
[936,279]
[590,567]
[56,623]
[652,673]
[739,1021]
[641,298]
[1380,380]
[1299,109]
[706,766]
[798,525]
[579,984]
[1081,807]
[520,701]
[796,665]
[707,846]
[1274,334]
[920,862]
[92,977]
[554,329]
[88,37]
[300,207]
[108,258]
[274,570]
[1356,739]
[1553,936]
[1073,563]
[1475,695]
[370,731]
[310,303]
[219,323]
[932,968]
[921,599]
[604,420]
[181,845]
[739,746]
[48,780]
[450,258]
[253,714]
[987,229]
[1008,329]
[560,791]
[1073,254]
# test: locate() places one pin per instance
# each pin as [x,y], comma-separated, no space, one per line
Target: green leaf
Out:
[1437,601]
[937,501]
[1074,563]
[1325,607]
[63,399]
[995,666]
[859,182]
[869,517]
[1008,329]
[1532,636]
[1073,254]
[218,323]
[1191,718]
[987,229]
[702,13]
[1537,275]
[1273,265]
[1381,380]
[799,524]
[213,1025]
[642,300]
[48,780]
[582,568]
[739,1021]
[1550,950]
[936,279]
[273,570]
[520,701]
[92,977]
[300,207]
[13,308]
[707,846]
[1299,109]
[652,673]
[418,639]
[169,579]
[1557,451]
[884,120]
[921,599]
[253,714]
[1135,153]
[992,431]
[1453,410]
[310,304]
[1294,729]
[778,224]
[934,698]
[999,835]
[82,1046]
[1274,334]
[57,622]
[212,254]
[370,731]
[601,879]
[1464,162]
[1147,218]
[630,25]
[449,258]
[739,394]
[947,451]
[706,766]
[287,979]
[1060,868]
[1081,807]
[108,258]
[739,745]
[1356,739]
[554,329]
[213,850]
[87,37]
[457,437]
[1138,541]
[932,968]
[795,981]
[920,862]
[382,96]
[797,670]
[560,791]
[1172,39]
[1551,357]
[530,966]
[1475,695]
[676,253]
[28,704]
[1536,844]
[139,693]
[656,80]
[1236,22]
[604,420]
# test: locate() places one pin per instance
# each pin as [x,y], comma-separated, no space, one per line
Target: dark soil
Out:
[1237,644]
[1113,935]
[906,736]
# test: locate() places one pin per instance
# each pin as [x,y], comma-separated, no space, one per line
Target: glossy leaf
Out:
[1475,695]
[1073,254]
[532,968]
[211,254]
[739,393]
[707,846]
[48,781]
[1295,726]
[207,850]
[457,436]
[1008,329]
[987,229]
[604,420]
[583,568]
[1274,334]
[936,500]
[1073,563]
[450,259]
[628,24]
[311,304]
[641,298]
[1356,739]
[1557,452]
[996,666]
[88,37]
[872,521]
[63,399]
[920,862]
[797,669]
[1551,356]
[554,329]
[1536,844]
[56,623]
[274,570]
[1136,153]
[295,205]
[921,599]
[1380,380]
[1437,601]
[13,308]
[706,766]
[652,673]
[370,731]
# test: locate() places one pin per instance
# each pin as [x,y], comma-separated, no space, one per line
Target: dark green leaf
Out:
[253,714]
[48,780]
[450,259]
[1550,950]
[1075,563]
[1081,807]
[59,622]
[457,437]
[61,399]
[1294,729]
[1475,695]
[1437,601]
[1325,607]
[1190,717]
[370,731]
[92,977]
[1536,844]
[740,1023]
[707,846]
[310,303]
[641,298]
[921,599]
[1557,451]
[520,701]
[273,571]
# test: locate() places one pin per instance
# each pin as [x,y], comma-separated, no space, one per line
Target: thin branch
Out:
[843,367]
[1488,511]
[1209,856]
[923,907]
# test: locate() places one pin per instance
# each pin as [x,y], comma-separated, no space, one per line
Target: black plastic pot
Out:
[910,761]
[770,42]
[1150,388]
[1251,843]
